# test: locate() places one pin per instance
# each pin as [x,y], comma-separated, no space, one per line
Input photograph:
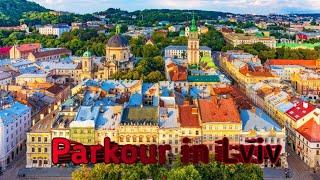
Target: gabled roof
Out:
[188,115]
[29,47]
[256,119]
[51,52]
[5,50]
[299,110]
[310,130]
[222,110]
[300,62]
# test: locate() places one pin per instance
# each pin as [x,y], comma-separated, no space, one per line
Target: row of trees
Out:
[77,40]
[264,52]
[213,170]
[42,18]
[150,17]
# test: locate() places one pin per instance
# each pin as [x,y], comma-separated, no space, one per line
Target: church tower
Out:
[193,52]
[86,65]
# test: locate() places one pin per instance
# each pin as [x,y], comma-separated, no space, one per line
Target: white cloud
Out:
[236,6]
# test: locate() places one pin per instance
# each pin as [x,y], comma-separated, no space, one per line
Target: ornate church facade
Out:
[118,57]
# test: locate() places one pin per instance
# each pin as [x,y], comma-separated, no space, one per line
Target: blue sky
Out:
[234,6]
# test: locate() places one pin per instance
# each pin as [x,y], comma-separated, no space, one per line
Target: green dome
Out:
[193,25]
[87,54]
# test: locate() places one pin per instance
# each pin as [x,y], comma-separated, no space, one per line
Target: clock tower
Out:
[193,52]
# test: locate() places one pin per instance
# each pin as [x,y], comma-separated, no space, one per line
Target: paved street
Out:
[299,168]
[12,170]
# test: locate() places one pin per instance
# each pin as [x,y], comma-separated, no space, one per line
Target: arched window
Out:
[128,138]
[140,138]
[121,139]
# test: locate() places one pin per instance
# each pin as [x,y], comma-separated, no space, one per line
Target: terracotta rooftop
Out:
[257,71]
[222,90]
[188,115]
[177,73]
[5,50]
[61,51]
[29,47]
[218,110]
[56,89]
[299,110]
[310,130]
[307,63]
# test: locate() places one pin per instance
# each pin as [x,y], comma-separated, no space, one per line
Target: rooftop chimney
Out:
[305,105]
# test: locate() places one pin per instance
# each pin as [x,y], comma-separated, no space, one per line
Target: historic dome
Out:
[87,54]
[117,41]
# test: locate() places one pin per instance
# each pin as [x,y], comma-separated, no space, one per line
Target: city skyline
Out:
[232,6]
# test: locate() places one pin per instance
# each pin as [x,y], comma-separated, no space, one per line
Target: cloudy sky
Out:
[234,6]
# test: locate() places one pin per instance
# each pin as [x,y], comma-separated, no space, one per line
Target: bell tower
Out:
[193,52]
[86,65]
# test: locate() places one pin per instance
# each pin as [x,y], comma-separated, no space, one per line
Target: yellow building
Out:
[239,70]
[235,39]
[169,128]
[306,82]
[139,125]
[24,79]
[39,144]
[189,122]
[219,118]
[307,143]
[256,124]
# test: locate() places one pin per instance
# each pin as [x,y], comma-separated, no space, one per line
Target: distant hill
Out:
[314,15]
[149,17]
[30,13]
[12,10]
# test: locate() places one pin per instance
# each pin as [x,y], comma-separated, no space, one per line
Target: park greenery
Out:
[151,17]
[11,11]
[213,170]
[42,18]
[265,53]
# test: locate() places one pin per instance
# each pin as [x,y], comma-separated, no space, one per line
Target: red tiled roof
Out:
[258,71]
[5,50]
[308,63]
[177,73]
[310,130]
[56,89]
[29,47]
[188,118]
[61,51]
[300,110]
[222,110]
[222,90]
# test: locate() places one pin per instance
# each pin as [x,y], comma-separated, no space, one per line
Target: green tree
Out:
[150,51]
[184,173]
[213,39]
[154,76]
[237,30]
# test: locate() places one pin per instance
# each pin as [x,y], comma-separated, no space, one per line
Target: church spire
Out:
[193,24]
[118,29]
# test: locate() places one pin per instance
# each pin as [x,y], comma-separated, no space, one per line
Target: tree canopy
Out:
[213,170]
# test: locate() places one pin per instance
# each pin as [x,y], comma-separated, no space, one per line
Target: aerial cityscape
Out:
[175,89]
